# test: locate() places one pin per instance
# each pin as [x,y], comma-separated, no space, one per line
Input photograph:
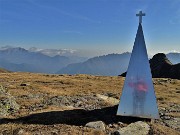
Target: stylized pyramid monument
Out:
[138,97]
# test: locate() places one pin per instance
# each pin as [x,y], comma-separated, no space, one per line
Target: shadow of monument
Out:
[76,117]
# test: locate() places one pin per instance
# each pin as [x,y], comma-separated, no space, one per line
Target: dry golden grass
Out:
[53,85]
[60,84]
[2,70]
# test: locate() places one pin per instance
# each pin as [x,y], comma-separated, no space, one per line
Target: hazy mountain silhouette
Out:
[174,57]
[111,64]
[19,59]
[18,67]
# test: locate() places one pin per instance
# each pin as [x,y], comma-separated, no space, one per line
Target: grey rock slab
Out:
[96,125]
[137,128]
[110,100]
[8,103]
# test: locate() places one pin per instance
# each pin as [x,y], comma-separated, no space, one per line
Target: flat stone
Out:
[96,125]
[102,96]
[110,100]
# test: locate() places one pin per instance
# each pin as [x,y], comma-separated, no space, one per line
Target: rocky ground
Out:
[35,104]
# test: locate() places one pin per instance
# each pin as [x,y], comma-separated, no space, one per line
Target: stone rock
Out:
[110,100]
[116,133]
[120,123]
[102,96]
[87,102]
[8,104]
[21,132]
[137,128]
[96,125]
[54,133]
[110,125]
[24,84]
[59,101]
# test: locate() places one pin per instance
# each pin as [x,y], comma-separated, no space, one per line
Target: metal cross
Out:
[140,14]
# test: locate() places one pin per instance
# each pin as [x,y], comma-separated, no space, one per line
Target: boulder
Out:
[8,104]
[137,128]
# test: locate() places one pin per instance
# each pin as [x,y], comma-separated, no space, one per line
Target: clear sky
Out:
[100,26]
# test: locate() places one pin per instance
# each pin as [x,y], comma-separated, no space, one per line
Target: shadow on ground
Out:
[76,117]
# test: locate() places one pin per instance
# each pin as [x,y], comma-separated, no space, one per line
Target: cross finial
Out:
[140,14]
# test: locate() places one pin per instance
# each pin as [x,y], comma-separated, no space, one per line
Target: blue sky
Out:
[96,26]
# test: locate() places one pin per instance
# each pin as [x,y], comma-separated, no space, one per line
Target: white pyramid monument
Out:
[138,97]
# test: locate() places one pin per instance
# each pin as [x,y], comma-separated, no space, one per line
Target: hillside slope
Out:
[108,65]
[161,67]
[2,70]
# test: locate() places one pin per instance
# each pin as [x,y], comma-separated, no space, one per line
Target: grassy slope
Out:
[2,70]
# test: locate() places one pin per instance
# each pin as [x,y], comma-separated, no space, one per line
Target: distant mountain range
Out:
[48,52]
[20,59]
[48,61]
[108,65]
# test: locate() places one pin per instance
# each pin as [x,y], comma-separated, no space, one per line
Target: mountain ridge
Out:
[36,62]
[161,67]
[20,59]
[100,65]
[91,67]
